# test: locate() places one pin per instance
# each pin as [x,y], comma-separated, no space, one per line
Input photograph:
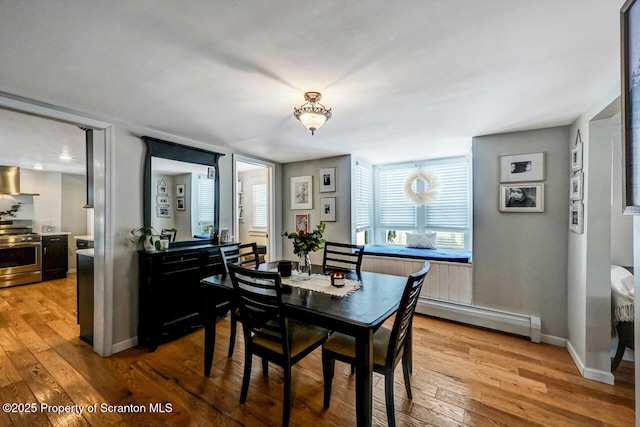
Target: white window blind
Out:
[206,196]
[451,208]
[395,209]
[259,207]
[364,197]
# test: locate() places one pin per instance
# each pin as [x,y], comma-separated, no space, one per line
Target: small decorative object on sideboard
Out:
[148,236]
[338,280]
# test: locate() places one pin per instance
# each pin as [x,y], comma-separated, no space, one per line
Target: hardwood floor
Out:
[463,376]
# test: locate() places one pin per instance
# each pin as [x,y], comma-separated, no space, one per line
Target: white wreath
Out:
[432,187]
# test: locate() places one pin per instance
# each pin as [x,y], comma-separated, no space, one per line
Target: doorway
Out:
[253,201]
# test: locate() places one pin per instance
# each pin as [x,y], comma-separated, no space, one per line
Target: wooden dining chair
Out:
[389,346]
[342,256]
[244,255]
[267,332]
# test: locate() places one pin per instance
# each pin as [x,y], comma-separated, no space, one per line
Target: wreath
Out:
[432,187]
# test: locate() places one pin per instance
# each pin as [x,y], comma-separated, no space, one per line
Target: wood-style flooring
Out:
[463,376]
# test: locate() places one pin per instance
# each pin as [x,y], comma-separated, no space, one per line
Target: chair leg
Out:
[388,396]
[618,358]
[286,405]
[406,370]
[232,337]
[265,367]
[328,367]
[248,358]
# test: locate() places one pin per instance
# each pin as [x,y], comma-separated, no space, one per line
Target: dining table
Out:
[359,314]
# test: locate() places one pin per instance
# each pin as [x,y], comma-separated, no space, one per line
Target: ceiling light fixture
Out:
[312,114]
[65,157]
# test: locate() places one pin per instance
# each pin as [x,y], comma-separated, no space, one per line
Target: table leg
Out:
[209,333]
[364,378]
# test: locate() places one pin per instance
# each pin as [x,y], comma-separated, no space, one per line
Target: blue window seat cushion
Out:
[449,255]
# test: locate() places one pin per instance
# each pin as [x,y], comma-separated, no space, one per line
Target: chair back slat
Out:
[404,316]
[244,255]
[342,256]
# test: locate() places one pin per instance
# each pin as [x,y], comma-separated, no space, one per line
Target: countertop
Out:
[89,238]
[85,252]
[56,233]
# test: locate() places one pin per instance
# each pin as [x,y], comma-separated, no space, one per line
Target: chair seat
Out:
[302,336]
[345,345]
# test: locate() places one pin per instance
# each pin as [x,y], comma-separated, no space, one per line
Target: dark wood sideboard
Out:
[170,299]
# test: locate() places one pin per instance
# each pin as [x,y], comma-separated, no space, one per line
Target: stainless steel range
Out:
[20,253]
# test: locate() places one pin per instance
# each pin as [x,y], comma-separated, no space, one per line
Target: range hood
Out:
[10,181]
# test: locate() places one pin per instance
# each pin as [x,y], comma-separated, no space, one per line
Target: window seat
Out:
[448,255]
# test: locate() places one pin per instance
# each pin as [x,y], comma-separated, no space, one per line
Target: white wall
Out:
[520,259]
[74,216]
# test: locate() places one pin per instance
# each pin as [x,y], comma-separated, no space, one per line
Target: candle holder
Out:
[338,280]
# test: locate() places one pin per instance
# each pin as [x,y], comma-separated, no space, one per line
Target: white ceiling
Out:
[406,80]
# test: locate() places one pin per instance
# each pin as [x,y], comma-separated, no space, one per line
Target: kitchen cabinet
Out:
[55,261]
[84,283]
[170,299]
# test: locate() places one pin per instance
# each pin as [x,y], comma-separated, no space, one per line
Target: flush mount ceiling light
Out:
[312,114]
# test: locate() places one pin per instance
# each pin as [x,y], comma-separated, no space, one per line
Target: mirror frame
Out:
[173,151]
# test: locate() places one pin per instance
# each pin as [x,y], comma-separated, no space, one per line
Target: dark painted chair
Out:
[342,256]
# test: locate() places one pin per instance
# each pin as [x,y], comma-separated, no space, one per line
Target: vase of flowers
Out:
[304,243]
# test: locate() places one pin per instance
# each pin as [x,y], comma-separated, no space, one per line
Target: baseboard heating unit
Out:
[513,323]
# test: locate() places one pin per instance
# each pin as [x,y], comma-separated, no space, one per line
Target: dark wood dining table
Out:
[359,315]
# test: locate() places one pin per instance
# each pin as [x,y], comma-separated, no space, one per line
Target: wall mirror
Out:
[181,190]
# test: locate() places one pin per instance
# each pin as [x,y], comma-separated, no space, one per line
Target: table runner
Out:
[321,283]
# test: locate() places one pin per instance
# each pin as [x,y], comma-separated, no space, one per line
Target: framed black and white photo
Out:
[576,186]
[630,55]
[576,215]
[163,188]
[163,212]
[522,167]
[522,197]
[211,172]
[301,192]
[327,209]
[180,203]
[576,157]
[162,199]
[327,180]
[180,190]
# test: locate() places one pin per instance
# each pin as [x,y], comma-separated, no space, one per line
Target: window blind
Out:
[206,196]
[395,210]
[259,207]
[450,210]
[364,197]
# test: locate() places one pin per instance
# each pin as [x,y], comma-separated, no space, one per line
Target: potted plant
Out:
[304,243]
[147,236]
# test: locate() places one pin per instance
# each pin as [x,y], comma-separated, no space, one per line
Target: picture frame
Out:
[163,212]
[180,204]
[630,58]
[163,188]
[211,172]
[327,208]
[576,157]
[327,180]
[522,167]
[522,197]
[302,192]
[180,190]
[576,217]
[576,184]
[301,222]
[162,199]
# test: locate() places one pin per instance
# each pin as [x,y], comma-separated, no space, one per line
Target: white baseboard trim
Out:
[513,323]
[124,345]
[553,340]
[588,373]
[71,271]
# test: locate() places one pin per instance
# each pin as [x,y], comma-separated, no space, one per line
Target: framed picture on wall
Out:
[180,190]
[327,180]
[576,186]
[163,188]
[163,212]
[522,197]
[522,167]
[301,222]
[211,172]
[327,209]
[576,157]
[630,55]
[180,204]
[301,192]
[576,215]
[162,199]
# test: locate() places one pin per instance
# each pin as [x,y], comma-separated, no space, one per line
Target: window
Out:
[207,202]
[259,206]
[449,215]
[363,202]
